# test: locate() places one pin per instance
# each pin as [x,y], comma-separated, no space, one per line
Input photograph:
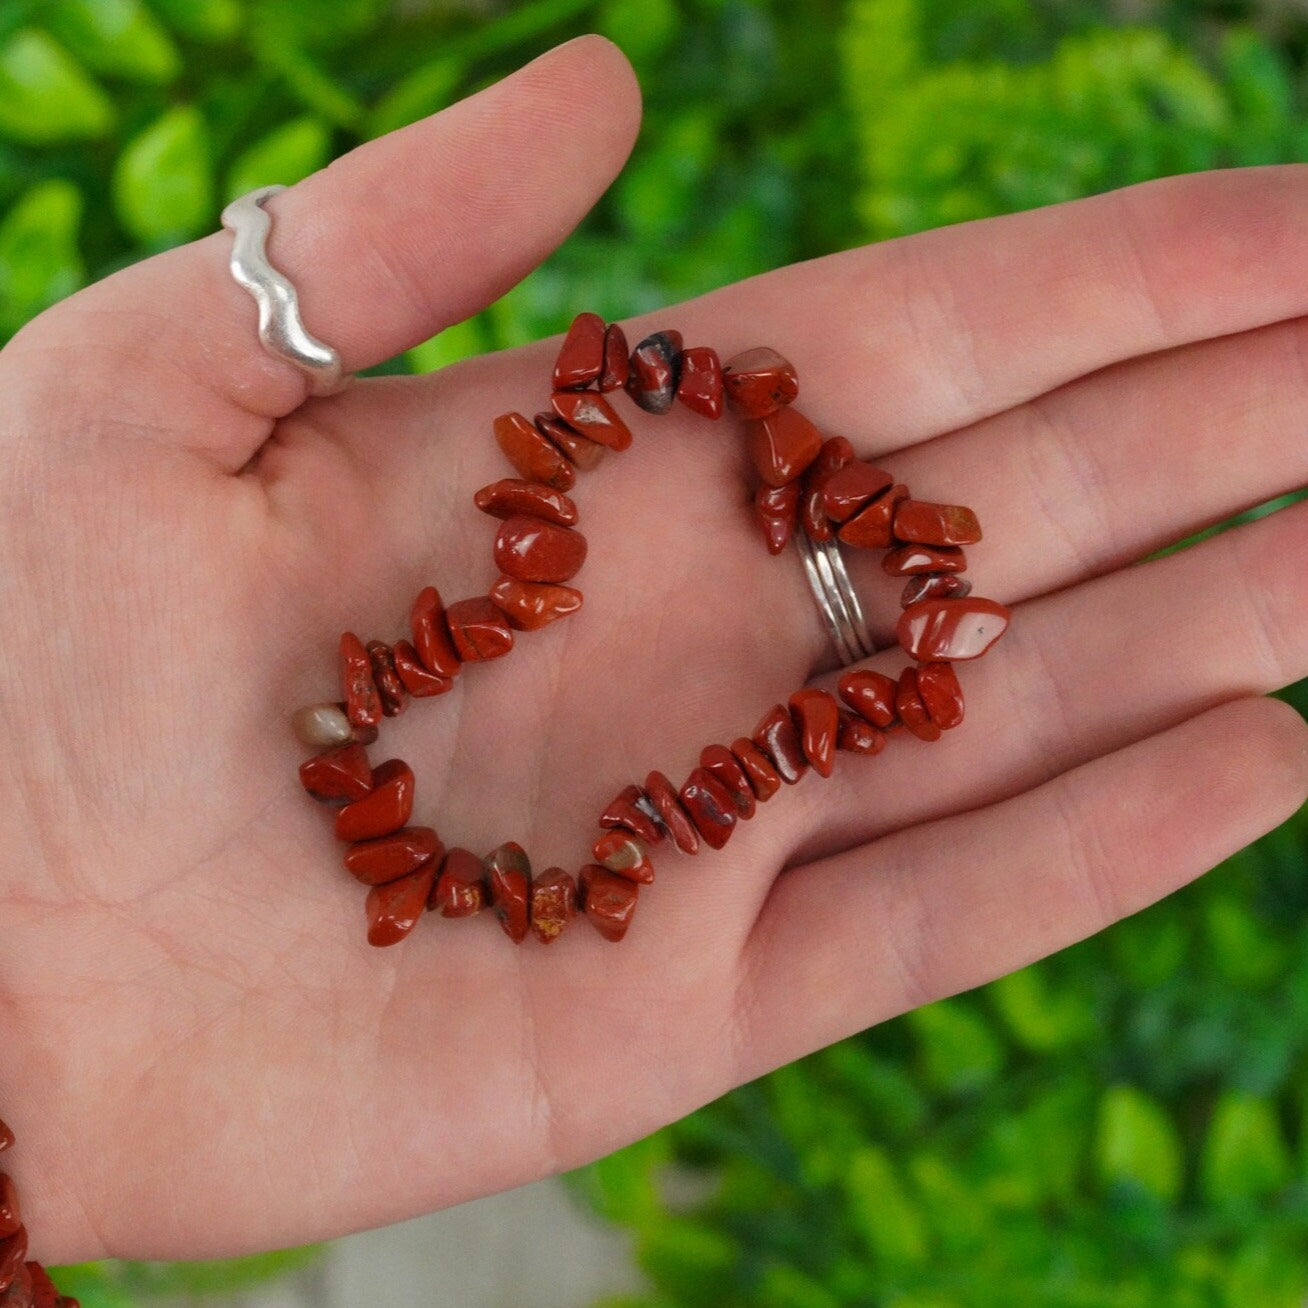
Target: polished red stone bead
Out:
[510,496]
[553,903]
[934,585]
[764,779]
[777,737]
[870,527]
[951,629]
[581,452]
[608,900]
[782,445]
[531,549]
[414,676]
[622,852]
[678,822]
[937,683]
[858,736]
[6,1137]
[459,889]
[593,416]
[759,382]
[624,811]
[508,879]
[340,773]
[870,694]
[721,763]
[700,387]
[529,605]
[431,634]
[44,1293]
[849,489]
[534,457]
[617,366]
[13,1249]
[818,717]
[389,685]
[480,631]
[710,806]
[394,909]
[387,858]
[386,808]
[912,712]
[774,511]
[936,524]
[655,371]
[836,453]
[908,560]
[21,1290]
[363,704]
[581,357]
[10,1217]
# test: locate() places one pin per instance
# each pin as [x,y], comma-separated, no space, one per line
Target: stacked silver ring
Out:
[842,614]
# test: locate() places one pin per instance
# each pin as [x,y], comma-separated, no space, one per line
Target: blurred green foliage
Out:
[1124,1124]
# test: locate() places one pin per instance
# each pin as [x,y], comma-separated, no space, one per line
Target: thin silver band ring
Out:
[838,605]
[281,330]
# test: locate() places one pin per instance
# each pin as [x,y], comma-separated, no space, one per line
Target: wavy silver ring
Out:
[838,605]
[281,330]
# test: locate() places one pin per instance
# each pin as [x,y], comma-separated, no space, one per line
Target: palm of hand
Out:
[209,1058]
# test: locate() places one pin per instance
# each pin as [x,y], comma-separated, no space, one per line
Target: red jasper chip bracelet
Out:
[809,483]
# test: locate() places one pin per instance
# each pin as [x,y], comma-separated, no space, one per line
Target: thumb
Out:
[386,246]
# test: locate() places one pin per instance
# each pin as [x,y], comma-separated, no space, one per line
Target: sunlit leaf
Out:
[45,96]
[1136,1142]
[39,259]
[163,182]
[285,155]
[121,38]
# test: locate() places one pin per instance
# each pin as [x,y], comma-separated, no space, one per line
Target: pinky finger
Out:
[859,937]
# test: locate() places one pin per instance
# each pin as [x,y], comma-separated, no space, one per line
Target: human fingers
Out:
[1117,464]
[386,246]
[854,939]
[1082,673]
[899,341]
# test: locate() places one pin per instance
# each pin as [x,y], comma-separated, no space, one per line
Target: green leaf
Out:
[882,1213]
[163,183]
[312,85]
[691,1259]
[1239,945]
[958,1050]
[429,88]
[202,20]
[1041,1018]
[1244,1153]
[285,155]
[623,1187]
[1151,946]
[782,1286]
[1136,1142]
[39,259]
[643,28]
[460,340]
[45,96]
[118,37]
[1266,1273]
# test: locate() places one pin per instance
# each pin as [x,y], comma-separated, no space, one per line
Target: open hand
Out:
[201,1054]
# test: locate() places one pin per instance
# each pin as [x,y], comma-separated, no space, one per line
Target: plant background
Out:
[1124,1124]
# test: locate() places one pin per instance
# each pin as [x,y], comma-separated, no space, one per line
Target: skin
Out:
[203,1057]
